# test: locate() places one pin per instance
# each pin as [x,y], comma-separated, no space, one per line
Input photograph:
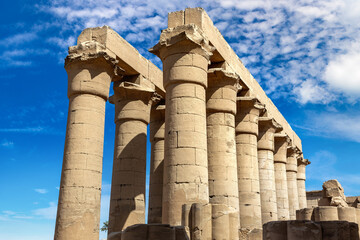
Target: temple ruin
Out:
[224,160]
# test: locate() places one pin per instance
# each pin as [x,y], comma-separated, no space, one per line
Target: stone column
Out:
[267,128]
[301,177]
[282,198]
[246,126]
[157,132]
[90,71]
[185,54]
[221,110]
[291,175]
[132,115]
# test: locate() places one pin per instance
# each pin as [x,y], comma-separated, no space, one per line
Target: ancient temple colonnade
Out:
[224,160]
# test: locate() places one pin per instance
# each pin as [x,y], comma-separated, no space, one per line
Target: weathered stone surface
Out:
[354,231]
[300,230]
[157,135]
[267,128]
[332,188]
[224,52]
[246,125]
[335,230]
[132,114]
[185,52]
[338,202]
[276,230]
[326,213]
[301,177]
[253,234]
[280,158]
[154,232]
[291,175]
[222,163]
[90,73]
[193,142]
[347,214]
[305,214]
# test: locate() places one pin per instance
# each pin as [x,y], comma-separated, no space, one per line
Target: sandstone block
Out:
[333,188]
[303,229]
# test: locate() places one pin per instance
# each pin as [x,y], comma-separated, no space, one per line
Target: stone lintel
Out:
[182,39]
[223,52]
[127,56]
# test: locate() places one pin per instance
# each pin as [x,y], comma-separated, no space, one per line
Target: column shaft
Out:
[221,109]
[157,132]
[185,55]
[78,213]
[282,198]
[291,175]
[267,128]
[132,114]
[247,162]
[301,177]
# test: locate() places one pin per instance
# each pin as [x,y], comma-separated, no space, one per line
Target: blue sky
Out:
[304,53]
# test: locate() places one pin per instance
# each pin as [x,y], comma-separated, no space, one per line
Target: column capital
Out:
[282,138]
[267,128]
[250,102]
[221,77]
[269,124]
[281,141]
[302,161]
[186,38]
[222,89]
[247,115]
[157,122]
[91,68]
[89,50]
[132,101]
[132,91]
[291,150]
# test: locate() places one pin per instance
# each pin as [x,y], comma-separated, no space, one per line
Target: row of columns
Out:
[207,144]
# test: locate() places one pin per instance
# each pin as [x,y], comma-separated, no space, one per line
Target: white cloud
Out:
[7,144]
[23,130]
[18,39]
[12,216]
[312,92]
[343,73]
[61,42]
[295,49]
[46,213]
[41,190]
[333,124]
